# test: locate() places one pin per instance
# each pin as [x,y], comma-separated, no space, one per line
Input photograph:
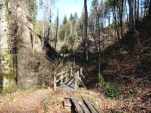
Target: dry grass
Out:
[49,101]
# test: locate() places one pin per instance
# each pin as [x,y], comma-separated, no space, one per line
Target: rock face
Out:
[19,42]
[26,44]
[7,75]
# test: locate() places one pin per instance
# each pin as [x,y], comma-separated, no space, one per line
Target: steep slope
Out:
[128,66]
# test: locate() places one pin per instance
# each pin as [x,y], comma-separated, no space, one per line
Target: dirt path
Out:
[49,101]
[24,103]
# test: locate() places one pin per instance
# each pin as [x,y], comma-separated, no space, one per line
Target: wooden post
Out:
[71,72]
[61,79]
[55,85]
[76,80]
[66,78]
[81,72]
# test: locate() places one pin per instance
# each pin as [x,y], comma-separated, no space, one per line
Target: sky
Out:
[64,8]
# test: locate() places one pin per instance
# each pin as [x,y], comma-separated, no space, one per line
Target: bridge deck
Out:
[83,106]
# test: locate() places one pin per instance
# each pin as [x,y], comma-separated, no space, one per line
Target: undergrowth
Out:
[110,90]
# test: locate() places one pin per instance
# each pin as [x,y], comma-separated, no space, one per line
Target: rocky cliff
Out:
[18,43]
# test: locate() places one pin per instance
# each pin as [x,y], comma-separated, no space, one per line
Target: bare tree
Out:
[121,8]
[57,26]
[150,7]
[131,15]
[85,36]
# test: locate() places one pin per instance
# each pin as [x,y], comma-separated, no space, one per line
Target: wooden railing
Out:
[68,77]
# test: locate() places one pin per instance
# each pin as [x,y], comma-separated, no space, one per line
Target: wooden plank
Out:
[84,107]
[70,82]
[60,79]
[95,108]
[91,108]
[55,84]
[76,106]
[61,73]
[76,85]
[67,103]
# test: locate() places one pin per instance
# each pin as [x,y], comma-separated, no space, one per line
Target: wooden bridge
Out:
[69,78]
[81,106]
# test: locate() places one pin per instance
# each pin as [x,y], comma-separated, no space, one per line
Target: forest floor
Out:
[128,66]
[49,101]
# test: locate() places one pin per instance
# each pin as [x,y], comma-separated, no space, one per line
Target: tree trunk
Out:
[121,16]
[99,45]
[150,7]
[85,37]
[57,25]
[116,23]
[138,10]
[131,15]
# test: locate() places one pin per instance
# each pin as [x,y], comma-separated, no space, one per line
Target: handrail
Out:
[67,76]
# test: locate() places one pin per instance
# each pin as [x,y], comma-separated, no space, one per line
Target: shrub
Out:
[110,90]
